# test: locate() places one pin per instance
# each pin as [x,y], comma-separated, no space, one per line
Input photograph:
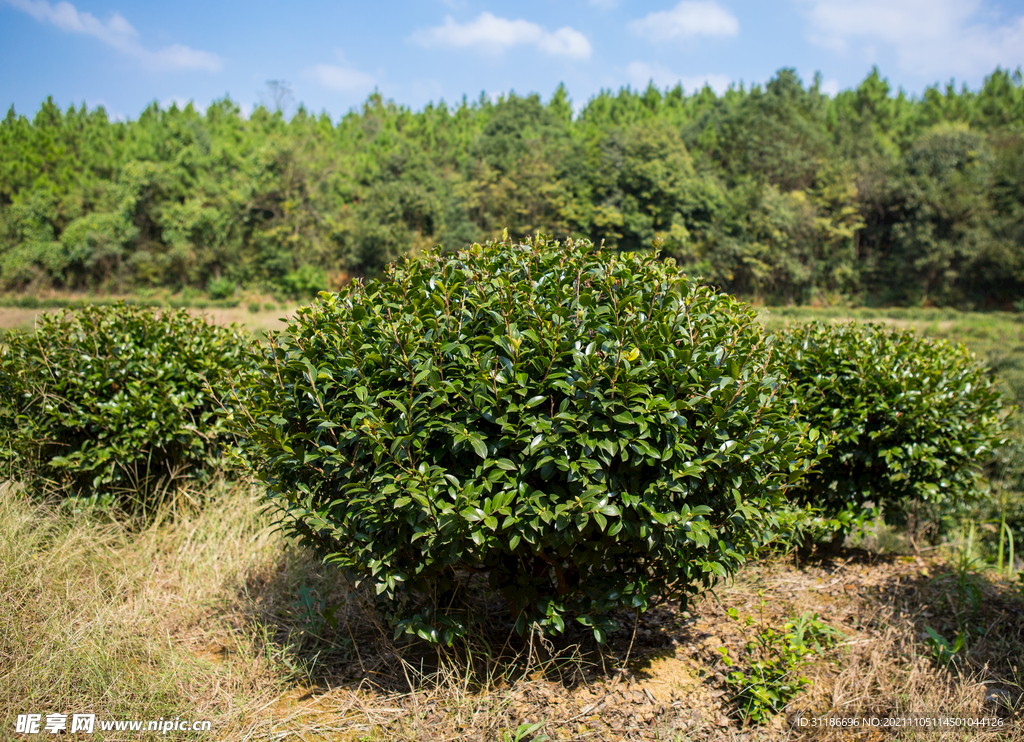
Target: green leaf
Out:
[527,424]
[479,446]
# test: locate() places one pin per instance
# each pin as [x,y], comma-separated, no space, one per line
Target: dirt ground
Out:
[664,676]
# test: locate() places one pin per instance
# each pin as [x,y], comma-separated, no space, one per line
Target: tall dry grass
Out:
[103,615]
[205,612]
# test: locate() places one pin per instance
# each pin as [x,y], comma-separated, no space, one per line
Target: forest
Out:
[777,193]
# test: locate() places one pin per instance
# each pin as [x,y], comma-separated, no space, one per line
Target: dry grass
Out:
[206,613]
[102,616]
[261,320]
[884,666]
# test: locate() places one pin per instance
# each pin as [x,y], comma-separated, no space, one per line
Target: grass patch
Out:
[105,616]
[207,613]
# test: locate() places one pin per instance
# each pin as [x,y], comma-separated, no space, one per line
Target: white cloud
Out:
[342,79]
[180,57]
[928,37]
[111,114]
[688,19]
[489,33]
[641,73]
[830,87]
[119,34]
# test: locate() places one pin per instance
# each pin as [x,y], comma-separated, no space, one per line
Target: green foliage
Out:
[913,419]
[775,191]
[773,660]
[776,135]
[524,733]
[942,650]
[221,288]
[306,282]
[118,401]
[592,431]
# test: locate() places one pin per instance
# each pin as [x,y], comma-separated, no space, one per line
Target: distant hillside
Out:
[776,192]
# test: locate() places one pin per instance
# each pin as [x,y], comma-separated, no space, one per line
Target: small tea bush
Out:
[305,282]
[221,288]
[913,419]
[118,401]
[767,676]
[590,430]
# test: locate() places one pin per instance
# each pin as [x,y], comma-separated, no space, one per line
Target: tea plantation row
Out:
[592,430]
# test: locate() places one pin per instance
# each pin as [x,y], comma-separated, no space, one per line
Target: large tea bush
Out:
[118,402]
[591,430]
[914,419]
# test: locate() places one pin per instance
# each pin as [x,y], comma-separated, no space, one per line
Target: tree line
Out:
[778,193]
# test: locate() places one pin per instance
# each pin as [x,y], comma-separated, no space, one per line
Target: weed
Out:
[943,652]
[523,734]
[313,610]
[1005,537]
[960,584]
[772,676]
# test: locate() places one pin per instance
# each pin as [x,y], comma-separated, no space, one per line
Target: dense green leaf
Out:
[121,401]
[530,451]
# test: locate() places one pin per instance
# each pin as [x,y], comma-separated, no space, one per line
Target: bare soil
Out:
[663,676]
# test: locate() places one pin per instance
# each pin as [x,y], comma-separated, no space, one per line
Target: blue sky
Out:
[124,54]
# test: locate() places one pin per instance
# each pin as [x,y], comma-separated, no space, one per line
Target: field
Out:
[207,614]
[260,317]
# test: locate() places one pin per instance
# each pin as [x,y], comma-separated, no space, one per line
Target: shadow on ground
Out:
[661,676]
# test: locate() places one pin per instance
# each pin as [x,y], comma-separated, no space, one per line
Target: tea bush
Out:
[118,402]
[914,419]
[590,430]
